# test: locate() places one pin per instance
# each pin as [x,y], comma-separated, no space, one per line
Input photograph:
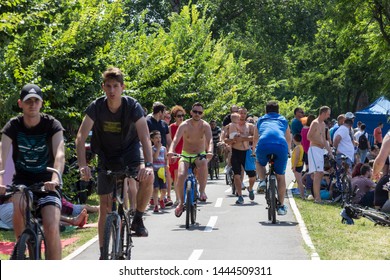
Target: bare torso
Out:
[194,141]
[316,134]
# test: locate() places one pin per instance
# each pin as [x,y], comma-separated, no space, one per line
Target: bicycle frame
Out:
[118,215]
[32,225]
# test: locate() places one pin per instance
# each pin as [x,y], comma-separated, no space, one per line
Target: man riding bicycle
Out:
[272,136]
[118,125]
[197,139]
[37,142]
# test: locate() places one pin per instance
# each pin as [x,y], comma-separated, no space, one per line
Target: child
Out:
[160,170]
[297,163]
[233,126]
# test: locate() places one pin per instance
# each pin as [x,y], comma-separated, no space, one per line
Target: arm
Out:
[336,141]
[312,131]
[208,140]
[81,137]
[382,156]
[255,139]
[5,146]
[295,162]
[176,139]
[59,159]
[287,135]
[143,135]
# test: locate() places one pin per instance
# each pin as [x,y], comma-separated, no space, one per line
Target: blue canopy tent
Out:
[378,111]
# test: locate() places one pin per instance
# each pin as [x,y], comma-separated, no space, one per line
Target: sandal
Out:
[179,210]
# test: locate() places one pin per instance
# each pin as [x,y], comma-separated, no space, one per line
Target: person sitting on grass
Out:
[364,187]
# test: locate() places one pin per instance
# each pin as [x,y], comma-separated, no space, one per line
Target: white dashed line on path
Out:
[211,224]
[195,255]
[218,203]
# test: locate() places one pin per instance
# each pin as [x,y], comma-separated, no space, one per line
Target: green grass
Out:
[336,241]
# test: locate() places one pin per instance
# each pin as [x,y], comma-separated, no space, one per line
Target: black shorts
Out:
[238,163]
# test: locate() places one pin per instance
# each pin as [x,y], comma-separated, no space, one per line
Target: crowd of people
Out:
[343,142]
[124,135]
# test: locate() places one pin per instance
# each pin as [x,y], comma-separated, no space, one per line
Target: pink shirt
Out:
[305,142]
[378,135]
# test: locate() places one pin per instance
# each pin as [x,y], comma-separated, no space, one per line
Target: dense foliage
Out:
[221,52]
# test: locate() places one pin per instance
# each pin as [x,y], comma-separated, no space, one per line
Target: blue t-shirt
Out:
[296,126]
[272,128]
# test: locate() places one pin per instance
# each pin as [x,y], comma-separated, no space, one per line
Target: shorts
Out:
[77,208]
[105,183]
[158,182]
[6,215]
[238,162]
[47,198]
[316,159]
[280,162]
[299,168]
[189,155]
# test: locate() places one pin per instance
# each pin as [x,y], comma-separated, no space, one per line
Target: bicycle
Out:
[351,212]
[341,181]
[191,189]
[213,167]
[29,244]
[271,189]
[117,237]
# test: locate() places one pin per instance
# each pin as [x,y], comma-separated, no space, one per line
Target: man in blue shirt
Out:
[272,136]
[296,124]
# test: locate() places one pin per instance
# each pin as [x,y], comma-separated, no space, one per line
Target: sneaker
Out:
[261,187]
[168,201]
[251,195]
[282,210]
[203,197]
[155,210]
[162,204]
[139,229]
[243,186]
[240,200]
[151,202]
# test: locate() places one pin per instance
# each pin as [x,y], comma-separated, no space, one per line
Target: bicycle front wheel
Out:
[126,240]
[26,247]
[272,199]
[110,239]
[188,207]
[194,206]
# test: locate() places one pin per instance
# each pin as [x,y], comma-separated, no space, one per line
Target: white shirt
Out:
[345,146]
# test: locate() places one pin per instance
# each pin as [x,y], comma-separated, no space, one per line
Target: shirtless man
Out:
[318,143]
[240,146]
[197,139]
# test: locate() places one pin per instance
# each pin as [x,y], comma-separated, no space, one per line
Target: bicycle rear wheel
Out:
[109,239]
[26,247]
[272,199]
[347,191]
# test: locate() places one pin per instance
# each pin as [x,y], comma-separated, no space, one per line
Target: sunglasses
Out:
[197,112]
[179,116]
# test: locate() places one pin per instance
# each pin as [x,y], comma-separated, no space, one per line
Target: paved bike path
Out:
[223,231]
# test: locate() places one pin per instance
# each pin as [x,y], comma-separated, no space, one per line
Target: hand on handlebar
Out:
[51,185]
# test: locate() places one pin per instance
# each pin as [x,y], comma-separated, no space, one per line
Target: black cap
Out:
[29,91]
